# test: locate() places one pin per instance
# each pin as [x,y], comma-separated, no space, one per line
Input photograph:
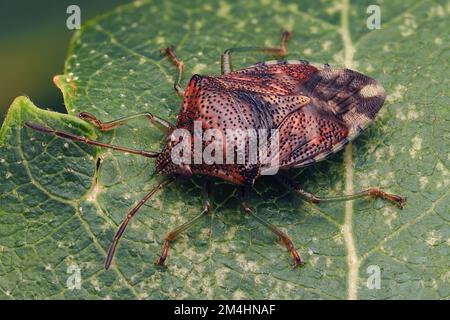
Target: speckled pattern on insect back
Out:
[316,109]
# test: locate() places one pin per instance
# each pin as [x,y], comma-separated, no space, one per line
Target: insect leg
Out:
[73,137]
[279,52]
[172,235]
[161,124]
[180,66]
[371,192]
[285,239]
[130,215]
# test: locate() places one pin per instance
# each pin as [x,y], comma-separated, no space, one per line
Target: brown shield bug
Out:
[315,111]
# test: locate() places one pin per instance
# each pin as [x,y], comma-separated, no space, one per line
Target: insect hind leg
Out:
[371,192]
[278,52]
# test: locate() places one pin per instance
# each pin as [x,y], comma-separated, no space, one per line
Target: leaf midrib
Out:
[347,227]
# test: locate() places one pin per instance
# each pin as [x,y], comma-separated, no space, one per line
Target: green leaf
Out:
[58,210]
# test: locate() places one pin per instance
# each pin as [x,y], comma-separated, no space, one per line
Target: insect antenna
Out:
[129,216]
[73,137]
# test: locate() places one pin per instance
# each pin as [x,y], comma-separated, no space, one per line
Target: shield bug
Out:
[314,111]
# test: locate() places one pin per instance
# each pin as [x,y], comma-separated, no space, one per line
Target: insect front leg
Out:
[172,235]
[168,52]
[371,192]
[129,216]
[163,125]
[285,239]
[278,52]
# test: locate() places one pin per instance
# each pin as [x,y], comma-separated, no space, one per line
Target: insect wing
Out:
[342,103]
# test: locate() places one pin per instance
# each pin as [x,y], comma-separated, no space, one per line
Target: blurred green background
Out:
[34,41]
